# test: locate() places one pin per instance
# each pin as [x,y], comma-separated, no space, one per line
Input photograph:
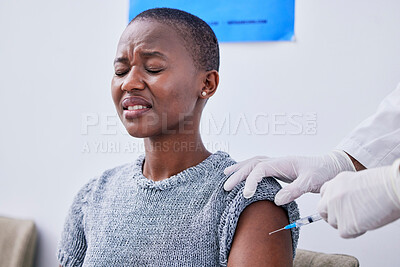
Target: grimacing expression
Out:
[156,85]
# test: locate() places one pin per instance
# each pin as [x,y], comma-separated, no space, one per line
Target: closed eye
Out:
[154,71]
[121,73]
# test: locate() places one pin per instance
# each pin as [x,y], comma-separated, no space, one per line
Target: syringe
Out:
[301,222]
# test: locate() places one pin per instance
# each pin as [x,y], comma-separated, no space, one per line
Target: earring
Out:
[203,93]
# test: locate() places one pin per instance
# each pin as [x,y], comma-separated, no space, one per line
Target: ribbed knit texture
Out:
[124,219]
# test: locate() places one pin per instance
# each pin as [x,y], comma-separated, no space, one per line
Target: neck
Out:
[169,155]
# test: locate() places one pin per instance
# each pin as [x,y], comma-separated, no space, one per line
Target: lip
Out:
[134,101]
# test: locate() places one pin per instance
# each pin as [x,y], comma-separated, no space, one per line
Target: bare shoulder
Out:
[253,246]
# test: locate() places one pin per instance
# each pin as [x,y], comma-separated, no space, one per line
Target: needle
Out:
[300,222]
[277,231]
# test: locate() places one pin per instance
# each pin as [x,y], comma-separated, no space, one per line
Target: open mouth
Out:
[135,103]
[135,106]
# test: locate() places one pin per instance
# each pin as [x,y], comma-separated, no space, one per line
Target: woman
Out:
[169,207]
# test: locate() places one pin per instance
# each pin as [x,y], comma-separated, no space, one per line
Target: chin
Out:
[138,133]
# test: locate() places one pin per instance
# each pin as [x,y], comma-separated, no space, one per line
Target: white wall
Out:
[55,70]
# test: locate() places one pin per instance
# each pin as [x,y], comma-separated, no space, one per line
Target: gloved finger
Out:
[279,168]
[274,167]
[290,192]
[345,234]
[322,208]
[327,206]
[252,181]
[232,168]
[264,168]
[247,193]
[332,215]
[282,197]
[233,180]
[239,165]
[322,189]
[240,175]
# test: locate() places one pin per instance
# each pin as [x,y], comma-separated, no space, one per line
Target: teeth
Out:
[136,107]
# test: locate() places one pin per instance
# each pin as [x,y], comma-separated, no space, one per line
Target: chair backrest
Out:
[306,258]
[17,242]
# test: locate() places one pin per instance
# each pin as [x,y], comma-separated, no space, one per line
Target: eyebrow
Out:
[121,60]
[153,54]
[143,54]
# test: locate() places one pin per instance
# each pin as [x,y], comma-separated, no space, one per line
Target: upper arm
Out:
[253,246]
[72,246]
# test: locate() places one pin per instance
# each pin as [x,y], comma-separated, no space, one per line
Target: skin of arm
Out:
[253,246]
[356,164]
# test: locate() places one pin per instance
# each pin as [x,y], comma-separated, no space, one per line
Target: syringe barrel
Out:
[308,220]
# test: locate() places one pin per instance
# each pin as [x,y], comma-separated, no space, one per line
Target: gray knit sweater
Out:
[121,218]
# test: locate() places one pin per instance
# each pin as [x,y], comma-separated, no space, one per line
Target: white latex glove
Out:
[357,202]
[306,174]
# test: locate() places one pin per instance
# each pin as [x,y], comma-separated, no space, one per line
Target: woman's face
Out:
[156,86]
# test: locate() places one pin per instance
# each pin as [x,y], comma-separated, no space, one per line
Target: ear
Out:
[210,84]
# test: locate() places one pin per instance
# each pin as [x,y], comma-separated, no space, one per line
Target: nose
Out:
[133,80]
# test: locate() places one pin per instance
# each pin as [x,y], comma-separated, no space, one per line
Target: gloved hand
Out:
[357,202]
[307,174]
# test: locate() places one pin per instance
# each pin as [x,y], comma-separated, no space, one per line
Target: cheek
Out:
[176,93]
[177,104]
[186,98]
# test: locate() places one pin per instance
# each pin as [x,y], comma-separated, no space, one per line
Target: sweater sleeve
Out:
[72,246]
[236,203]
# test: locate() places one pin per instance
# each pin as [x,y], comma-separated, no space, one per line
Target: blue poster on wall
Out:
[235,20]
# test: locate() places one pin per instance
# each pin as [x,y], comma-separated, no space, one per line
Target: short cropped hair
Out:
[198,37]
